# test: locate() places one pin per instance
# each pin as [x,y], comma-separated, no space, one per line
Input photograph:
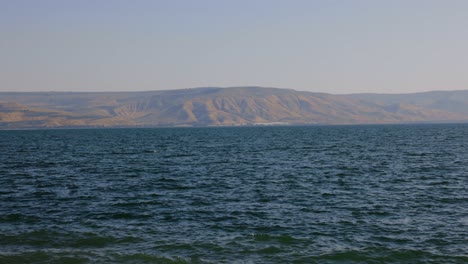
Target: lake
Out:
[284,194]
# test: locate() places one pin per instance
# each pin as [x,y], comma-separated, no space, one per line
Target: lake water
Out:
[317,194]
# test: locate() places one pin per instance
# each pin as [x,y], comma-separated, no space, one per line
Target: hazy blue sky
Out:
[328,46]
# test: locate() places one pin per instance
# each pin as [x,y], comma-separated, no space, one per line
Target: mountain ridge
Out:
[216,106]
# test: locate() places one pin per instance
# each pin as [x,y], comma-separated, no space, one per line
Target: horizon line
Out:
[232,87]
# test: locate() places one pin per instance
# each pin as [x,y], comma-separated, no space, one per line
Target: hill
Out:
[212,106]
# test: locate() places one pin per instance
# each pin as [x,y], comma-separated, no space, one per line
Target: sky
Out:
[331,46]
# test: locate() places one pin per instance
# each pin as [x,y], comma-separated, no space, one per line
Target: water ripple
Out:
[325,194]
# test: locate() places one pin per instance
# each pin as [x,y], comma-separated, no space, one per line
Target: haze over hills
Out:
[212,106]
[453,101]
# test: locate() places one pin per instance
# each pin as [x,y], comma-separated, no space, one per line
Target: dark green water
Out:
[328,194]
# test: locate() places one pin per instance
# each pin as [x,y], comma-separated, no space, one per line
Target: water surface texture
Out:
[319,194]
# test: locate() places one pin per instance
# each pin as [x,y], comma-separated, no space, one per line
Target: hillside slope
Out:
[215,106]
